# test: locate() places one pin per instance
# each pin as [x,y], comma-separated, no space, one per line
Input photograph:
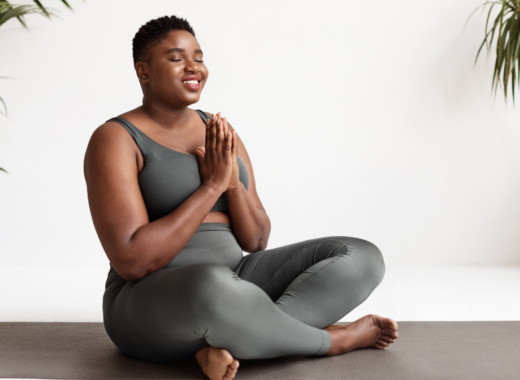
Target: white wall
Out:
[363,119]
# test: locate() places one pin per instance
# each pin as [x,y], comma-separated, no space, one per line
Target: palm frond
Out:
[45,10]
[9,11]
[5,107]
[2,100]
[506,27]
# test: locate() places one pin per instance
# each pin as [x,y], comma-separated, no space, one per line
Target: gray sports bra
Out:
[170,176]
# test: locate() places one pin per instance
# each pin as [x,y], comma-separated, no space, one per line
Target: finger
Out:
[208,131]
[234,145]
[226,128]
[236,141]
[213,138]
[227,147]
[219,139]
[199,156]
[200,151]
[207,142]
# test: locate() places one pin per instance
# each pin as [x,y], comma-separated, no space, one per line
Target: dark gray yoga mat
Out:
[424,350]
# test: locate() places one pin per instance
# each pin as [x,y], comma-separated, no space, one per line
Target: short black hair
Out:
[155,31]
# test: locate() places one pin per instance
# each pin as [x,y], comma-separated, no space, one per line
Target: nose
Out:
[191,66]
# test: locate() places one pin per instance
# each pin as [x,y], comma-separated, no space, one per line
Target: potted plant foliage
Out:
[9,11]
[506,28]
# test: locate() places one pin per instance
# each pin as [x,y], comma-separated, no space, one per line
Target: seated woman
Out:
[173,199]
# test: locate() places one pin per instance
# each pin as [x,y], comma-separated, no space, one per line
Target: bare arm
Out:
[249,221]
[134,246]
[251,225]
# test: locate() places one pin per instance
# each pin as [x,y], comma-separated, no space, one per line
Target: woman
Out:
[173,199]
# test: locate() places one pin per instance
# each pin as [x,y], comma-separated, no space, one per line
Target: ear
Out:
[141,69]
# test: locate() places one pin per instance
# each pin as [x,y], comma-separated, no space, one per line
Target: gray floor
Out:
[424,350]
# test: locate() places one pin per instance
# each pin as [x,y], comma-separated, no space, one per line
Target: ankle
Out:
[202,354]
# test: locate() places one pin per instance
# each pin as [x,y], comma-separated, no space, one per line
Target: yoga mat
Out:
[424,350]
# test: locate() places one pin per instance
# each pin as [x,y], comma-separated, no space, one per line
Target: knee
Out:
[367,257]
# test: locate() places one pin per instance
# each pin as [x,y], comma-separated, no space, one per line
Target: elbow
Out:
[132,276]
[126,272]
[136,272]
[262,245]
[264,238]
[130,270]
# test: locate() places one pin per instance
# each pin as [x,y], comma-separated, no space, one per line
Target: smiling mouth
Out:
[192,84]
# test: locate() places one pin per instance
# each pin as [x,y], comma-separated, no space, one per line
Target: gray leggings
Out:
[266,304]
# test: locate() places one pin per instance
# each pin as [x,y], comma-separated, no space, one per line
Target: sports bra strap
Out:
[203,115]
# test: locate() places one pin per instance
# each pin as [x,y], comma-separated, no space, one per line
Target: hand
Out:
[215,158]
[234,182]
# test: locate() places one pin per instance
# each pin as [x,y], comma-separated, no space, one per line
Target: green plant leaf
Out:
[67,4]
[5,107]
[2,169]
[42,8]
[472,13]
[12,11]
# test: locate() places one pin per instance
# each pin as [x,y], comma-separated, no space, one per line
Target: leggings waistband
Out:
[214,226]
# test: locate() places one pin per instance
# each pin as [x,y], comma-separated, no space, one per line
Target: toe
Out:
[390,334]
[387,339]
[391,324]
[230,374]
[379,347]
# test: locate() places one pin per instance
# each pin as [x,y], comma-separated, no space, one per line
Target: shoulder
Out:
[110,143]
[110,132]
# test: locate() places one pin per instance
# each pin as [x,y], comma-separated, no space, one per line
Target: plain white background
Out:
[363,119]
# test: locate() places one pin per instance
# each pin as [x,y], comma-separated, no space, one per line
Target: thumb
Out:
[200,156]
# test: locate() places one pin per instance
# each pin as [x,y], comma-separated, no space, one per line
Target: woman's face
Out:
[173,62]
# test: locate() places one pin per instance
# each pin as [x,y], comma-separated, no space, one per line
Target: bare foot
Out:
[368,331]
[217,363]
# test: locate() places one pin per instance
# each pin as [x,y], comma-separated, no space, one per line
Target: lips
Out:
[192,82]
[191,77]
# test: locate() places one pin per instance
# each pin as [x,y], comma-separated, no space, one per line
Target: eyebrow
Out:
[182,51]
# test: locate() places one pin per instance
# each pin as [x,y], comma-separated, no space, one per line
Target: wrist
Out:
[234,188]
[212,188]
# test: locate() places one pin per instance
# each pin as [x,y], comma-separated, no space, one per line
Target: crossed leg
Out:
[275,303]
[317,281]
